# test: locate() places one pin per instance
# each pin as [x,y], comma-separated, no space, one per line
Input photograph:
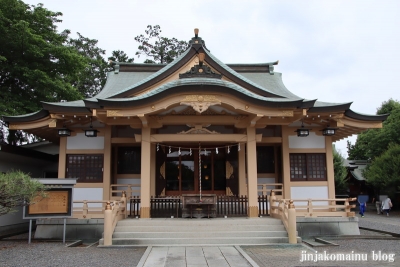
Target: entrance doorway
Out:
[188,172]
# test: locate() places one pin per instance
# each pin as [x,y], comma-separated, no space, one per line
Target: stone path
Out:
[221,256]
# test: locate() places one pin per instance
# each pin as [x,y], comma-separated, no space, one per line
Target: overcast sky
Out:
[333,51]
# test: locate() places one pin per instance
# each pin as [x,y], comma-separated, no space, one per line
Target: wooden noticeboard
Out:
[56,202]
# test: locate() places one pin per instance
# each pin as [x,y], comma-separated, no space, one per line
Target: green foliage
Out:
[340,172]
[36,64]
[92,79]
[388,106]
[18,189]
[382,147]
[384,171]
[120,56]
[374,142]
[159,49]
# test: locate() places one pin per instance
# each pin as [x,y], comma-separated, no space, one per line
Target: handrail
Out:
[113,213]
[285,210]
[127,188]
[310,209]
[266,189]
[85,212]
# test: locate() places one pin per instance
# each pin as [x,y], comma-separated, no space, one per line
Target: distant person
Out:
[386,206]
[378,205]
[363,206]
[362,200]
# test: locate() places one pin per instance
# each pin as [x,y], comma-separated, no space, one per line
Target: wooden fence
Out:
[166,207]
[232,206]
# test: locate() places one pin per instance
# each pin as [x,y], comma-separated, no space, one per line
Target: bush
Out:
[18,189]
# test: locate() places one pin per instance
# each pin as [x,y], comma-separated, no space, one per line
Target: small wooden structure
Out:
[195,207]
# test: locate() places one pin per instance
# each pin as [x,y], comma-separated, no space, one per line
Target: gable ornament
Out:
[200,71]
[200,103]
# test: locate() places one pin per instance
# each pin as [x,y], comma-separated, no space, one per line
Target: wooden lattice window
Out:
[307,167]
[87,168]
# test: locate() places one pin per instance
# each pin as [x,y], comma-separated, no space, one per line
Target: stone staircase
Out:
[199,232]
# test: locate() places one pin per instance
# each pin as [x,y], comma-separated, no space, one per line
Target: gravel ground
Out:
[16,252]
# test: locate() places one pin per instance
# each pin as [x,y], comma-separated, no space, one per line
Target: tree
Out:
[120,56]
[36,62]
[381,146]
[374,142]
[159,49]
[340,172]
[93,77]
[384,171]
[18,189]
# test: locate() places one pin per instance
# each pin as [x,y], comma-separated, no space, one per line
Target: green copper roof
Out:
[200,82]
[115,91]
[261,85]
[118,82]
[273,82]
[241,77]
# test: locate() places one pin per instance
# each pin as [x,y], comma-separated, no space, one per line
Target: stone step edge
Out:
[225,232]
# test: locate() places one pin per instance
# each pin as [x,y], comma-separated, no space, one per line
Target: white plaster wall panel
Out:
[309,192]
[80,141]
[135,181]
[311,141]
[88,194]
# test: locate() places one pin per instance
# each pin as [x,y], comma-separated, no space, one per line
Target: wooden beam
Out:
[30,125]
[233,138]
[121,140]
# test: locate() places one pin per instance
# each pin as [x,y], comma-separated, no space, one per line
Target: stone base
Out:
[8,230]
[327,226]
[76,229]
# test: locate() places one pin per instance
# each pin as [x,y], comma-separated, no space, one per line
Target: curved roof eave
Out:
[203,84]
[320,107]
[358,116]
[27,117]
[73,106]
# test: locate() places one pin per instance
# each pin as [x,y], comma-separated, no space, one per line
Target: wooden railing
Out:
[114,212]
[285,210]
[266,189]
[130,190]
[324,207]
[91,209]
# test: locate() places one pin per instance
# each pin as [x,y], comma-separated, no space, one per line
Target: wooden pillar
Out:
[252,172]
[107,163]
[62,157]
[242,171]
[286,162]
[145,174]
[329,167]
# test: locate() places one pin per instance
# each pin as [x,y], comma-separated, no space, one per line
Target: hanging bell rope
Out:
[200,171]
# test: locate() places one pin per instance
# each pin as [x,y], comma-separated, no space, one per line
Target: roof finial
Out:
[196,32]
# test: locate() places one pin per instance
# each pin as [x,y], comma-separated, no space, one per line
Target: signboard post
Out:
[57,204]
